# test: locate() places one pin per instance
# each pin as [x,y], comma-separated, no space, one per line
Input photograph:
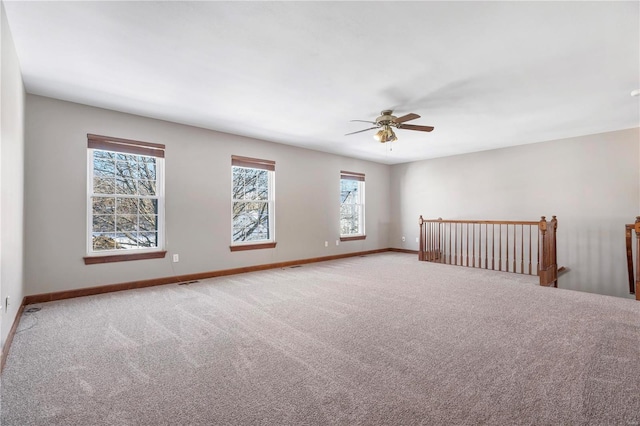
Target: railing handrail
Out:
[444,241]
[485,222]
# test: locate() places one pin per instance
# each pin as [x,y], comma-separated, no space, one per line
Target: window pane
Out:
[349,227]
[257,184]
[238,183]
[103,205]
[238,234]
[148,206]
[126,186]
[126,240]
[348,220]
[103,241]
[148,239]
[250,184]
[238,207]
[348,191]
[126,205]
[126,223]
[240,219]
[147,168]
[251,221]
[104,223]
[147,187]
[127,169]
[98,154]
[103,165]
[148,223]
[126,157]
[103,185]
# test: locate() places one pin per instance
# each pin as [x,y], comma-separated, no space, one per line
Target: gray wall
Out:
[591,183]
[594,181]
[198,188]
[11,181]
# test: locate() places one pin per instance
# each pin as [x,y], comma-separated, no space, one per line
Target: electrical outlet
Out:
[326,243]
[337,242]
[417,239]
[403,239]
[176,258]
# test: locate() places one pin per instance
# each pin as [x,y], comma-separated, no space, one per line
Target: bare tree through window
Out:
[251,204]
[351,204]
[124,201]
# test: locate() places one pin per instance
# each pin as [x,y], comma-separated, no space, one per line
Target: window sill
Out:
[354,238]
[256,246]
[92,260]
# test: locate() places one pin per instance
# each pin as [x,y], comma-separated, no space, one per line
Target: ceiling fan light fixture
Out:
[386,135]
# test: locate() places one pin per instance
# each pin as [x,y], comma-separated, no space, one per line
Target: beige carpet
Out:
[382,339]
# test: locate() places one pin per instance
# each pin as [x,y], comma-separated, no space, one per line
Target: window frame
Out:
[270,167]
[360,178]
[130,147]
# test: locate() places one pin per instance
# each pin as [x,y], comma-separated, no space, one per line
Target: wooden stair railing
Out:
[508,246]
[634,283]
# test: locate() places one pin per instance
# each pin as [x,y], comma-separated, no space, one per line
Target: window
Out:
[351,206]
[252,216]
[125,199]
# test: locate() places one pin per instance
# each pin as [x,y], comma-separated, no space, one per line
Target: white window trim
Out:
[361,216]
[271,202]
[161,210]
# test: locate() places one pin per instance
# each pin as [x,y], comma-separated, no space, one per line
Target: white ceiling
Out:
[485,74]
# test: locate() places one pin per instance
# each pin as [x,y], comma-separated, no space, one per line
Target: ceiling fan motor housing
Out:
[386,118]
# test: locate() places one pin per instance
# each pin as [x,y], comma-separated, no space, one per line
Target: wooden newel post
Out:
[547,258]
[637,229]
[421,248]
[628,232]
[542,230]
[554,251]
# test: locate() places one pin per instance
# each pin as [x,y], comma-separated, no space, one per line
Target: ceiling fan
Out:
[385,123]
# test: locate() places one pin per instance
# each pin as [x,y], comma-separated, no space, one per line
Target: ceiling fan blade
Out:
[414,127]
[365,121]
[360,131]
[407,117]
